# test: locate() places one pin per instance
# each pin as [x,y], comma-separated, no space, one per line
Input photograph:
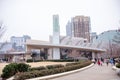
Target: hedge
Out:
[54,66]
[81,61]
[36,73]
[61,60]
[118,65]
[13,68]
[31,60]
[37,68]
[9,70]
[47,67]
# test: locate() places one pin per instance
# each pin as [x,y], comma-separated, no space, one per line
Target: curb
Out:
[11,78]
[116,69]
[61,74]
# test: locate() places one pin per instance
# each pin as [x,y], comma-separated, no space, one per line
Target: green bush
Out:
[22,67]
[33,74]
[11,69]
[54,66]
[61,60]
[37,68]
[70,64]
[29,60]
[75,63]
[118,65]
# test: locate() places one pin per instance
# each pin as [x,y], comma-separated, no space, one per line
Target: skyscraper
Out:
[69,29]
[80,26]
[56,36]
[56,29]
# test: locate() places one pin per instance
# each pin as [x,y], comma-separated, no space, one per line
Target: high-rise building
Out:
[56,36]
[69,29]
[56,29]
[80,26]
[92,36]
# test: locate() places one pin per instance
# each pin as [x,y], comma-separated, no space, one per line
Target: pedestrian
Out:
[98,62]
[102,59]
[95,60]
[113,61]
[107,61]
[101,63]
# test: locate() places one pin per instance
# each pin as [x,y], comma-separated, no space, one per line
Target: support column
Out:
[56,53]
[50,51]
[28,50]
[93,56]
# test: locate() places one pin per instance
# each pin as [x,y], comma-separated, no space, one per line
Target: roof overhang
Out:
[36,45]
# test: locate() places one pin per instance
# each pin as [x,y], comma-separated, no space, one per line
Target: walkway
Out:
[94,73]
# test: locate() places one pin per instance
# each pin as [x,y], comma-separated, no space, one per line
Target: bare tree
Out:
[2,29]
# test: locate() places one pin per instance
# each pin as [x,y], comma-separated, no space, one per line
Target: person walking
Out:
[114,61]
[95,60]
[102,59]
[107,61]
[111,61]
[98,62]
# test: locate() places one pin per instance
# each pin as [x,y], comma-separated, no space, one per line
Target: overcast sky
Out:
[34,17]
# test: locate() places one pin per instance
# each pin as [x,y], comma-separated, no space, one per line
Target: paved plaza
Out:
[94,73]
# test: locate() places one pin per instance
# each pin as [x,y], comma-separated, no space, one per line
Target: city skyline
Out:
[34,17]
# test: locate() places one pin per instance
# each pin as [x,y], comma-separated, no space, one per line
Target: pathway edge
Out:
[61,74]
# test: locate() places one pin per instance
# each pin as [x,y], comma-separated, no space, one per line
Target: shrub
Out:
[61,60]
[70,64]
[11,69]
[33,74]
[29,60]
[54,66]
[75,63]
[118,65]
[37,68]
[22,67]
